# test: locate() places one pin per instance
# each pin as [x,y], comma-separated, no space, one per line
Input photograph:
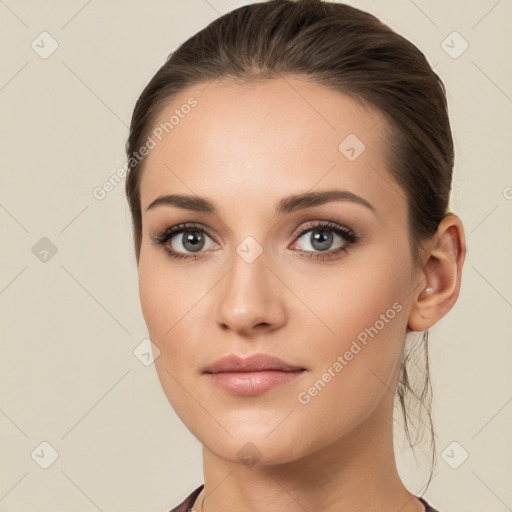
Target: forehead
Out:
[258,141]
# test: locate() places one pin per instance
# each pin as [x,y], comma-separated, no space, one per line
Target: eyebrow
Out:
[286,205]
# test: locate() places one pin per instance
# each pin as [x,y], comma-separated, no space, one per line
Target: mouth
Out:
[253,375]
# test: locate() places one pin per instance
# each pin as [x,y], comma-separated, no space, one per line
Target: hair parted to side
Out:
[347,50]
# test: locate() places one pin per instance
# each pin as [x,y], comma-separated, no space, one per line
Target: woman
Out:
[290,173]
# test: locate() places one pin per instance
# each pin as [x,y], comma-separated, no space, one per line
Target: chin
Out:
[250,451]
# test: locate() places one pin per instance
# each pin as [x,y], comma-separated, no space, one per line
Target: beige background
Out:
[70,324]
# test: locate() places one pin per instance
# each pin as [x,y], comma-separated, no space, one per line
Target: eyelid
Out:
[178,229]
[322,223]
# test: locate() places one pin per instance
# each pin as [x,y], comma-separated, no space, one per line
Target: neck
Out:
[354,474]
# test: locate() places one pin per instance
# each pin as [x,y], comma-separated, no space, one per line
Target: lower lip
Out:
[252,383]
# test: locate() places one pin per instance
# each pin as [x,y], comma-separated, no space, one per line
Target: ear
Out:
[440,277]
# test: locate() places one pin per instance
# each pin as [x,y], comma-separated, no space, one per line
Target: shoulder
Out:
[187,504]
[428,508]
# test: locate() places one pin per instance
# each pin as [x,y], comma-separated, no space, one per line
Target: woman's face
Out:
[263,274]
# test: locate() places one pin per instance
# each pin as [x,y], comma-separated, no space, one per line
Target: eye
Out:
[325,240]
[190,241]
[183,241]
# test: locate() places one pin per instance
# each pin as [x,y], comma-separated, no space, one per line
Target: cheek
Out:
[169,304]
[154,297]
[349,299]
[367,320]
[161,296]
[164,306]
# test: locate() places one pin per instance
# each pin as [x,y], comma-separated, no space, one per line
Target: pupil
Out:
[195,239]
[321,239]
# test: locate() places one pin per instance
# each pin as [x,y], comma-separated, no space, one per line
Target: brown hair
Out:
[345,49]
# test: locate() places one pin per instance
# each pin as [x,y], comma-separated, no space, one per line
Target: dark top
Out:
[186,505]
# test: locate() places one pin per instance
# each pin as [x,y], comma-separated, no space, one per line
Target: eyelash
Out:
[350,237]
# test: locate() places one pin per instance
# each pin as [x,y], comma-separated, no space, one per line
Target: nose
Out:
[249,299]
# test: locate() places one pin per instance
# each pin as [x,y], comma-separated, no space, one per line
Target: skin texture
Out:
[245,147]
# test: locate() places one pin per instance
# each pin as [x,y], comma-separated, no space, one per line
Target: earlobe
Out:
[440,278]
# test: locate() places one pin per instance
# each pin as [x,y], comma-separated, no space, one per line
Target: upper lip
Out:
[253,363]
